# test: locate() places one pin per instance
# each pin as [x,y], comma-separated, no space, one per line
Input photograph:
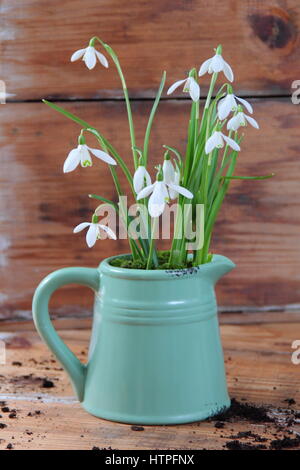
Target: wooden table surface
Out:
[259,370]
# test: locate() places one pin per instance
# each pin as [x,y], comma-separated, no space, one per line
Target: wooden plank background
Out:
[259,226]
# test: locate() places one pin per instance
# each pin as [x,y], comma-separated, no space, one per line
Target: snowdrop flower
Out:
[217,64]
[174,194]
[168,170]
[140,176]
[171,175]
[89,56]
[82,155]
[160,195]
[217,141]
[190,86]
[228,104]
[93,232]
[240,119]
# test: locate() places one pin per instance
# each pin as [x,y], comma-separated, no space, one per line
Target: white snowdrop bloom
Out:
[160,196]
[141,176]
[217,139]
[93,233]
[82,155]
[190,86]
[175,194]
[89,56]
[217,64]
[228,104]
[168,171]
[240,120]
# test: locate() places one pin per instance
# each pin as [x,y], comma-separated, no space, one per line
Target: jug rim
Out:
[161,274]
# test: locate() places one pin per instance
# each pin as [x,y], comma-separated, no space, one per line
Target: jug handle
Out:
[86,276]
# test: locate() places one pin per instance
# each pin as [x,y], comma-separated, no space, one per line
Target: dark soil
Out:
[285,443]
[237,445]
[47,383]
[137,428]
[248,434]
[252,413]
[290,401]
[219,425]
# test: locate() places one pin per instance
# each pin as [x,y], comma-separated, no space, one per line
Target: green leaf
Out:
[103,199]
[151,117]
[67,114]
[248,177]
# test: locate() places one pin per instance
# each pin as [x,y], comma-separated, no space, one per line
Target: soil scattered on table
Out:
[238,445]
[278,420]
[47,383]
[137,428]
[290,401]
[34,413]
[285,443]
[249,434]
[255,414]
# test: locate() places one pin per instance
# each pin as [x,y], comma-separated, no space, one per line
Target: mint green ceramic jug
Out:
[155,355]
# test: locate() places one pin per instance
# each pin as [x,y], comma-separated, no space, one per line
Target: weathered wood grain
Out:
[258,227]
[259,370]
[260,40]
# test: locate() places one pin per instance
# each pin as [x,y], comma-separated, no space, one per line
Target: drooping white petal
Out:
[108,230]
[81,226]
[102,58]
[194,89]
[91,235]
[217,63]
[204,67]
[225,106]
[174,194]
[252,121]
[246,104]
[181,190]
[138,179]
[103,156]
[232,143]
[77,54]
[228,71]
[175,85]
[72,161]
[158,199]
[214,141]
[90,57]
[168,171]
[140,175]
[145,192]
[234,123]
[85,157]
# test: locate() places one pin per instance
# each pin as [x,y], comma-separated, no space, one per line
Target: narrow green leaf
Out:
[248,177]
[151,117]
[69,115]
[103,199]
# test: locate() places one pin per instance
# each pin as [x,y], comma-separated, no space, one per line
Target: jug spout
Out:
[219,266]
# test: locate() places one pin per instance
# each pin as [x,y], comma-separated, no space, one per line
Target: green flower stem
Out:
[115,59]
[93,130]
[152,243]
[136,253]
